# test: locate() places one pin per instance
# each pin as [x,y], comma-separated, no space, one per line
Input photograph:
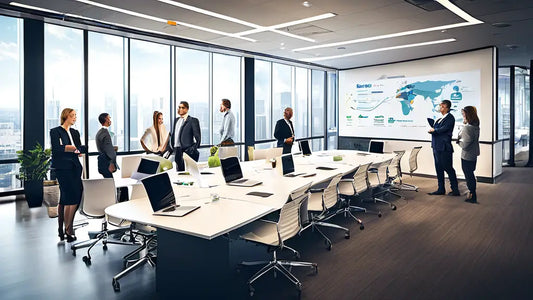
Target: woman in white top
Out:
[155,138]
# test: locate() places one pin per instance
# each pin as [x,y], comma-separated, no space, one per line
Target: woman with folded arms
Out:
[155,138]
[469,142]
[66,147]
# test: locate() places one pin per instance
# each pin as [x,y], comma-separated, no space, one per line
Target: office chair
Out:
[394,174]
[274,235]
[228,151]
[380,188]
[413,166]
[146,236]
[321,205]
[250,150]
[129,165]
[353,187]
[98,194]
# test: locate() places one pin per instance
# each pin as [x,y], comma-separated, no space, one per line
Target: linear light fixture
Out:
[313,59]
[257,28]
[34,8]
[456,10]
[161,20]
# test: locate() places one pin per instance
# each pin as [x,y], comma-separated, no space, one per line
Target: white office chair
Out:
[146,236]
[98,194]
[129,164]
[228,151]
[321,207]
[353,187]
[274,235]
[413,166]
[380,188]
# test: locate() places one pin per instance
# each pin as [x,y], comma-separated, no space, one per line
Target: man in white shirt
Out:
[227,129]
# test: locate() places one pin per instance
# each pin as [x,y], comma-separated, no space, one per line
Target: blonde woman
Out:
[155,138]
[66,147]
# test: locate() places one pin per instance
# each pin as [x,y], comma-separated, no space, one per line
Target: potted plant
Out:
[34,166]
[213,160]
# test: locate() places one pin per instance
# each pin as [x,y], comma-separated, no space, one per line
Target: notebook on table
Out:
[231,169]
[162,199]
[146,168]
[193,169]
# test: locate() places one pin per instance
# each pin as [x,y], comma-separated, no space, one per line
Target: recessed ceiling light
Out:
[511,46]
[307,4]
[341,48]
[501,24]
[443,31]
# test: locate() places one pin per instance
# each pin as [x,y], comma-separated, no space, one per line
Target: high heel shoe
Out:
[60,234]
[70,238]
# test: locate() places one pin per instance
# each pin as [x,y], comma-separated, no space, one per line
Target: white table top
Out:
[235,208]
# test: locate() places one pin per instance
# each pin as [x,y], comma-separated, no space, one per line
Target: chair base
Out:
[148,247]
[314,226]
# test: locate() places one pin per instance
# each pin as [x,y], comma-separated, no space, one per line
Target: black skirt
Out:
[70,185]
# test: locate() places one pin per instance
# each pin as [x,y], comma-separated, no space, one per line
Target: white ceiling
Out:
[355,19]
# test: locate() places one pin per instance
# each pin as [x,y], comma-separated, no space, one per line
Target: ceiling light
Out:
[511,46]
[34,8]
[378,50]
[307,4]
[469,21]
[161,20]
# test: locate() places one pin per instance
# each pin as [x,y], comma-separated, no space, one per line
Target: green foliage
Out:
[213,160]
[213,150]
[34,164]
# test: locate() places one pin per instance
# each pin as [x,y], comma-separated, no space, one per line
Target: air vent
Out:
[305,29]
[427,5]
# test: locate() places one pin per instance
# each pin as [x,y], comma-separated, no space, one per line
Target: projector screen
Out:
[394,101]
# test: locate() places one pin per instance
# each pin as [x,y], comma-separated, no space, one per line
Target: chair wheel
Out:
[329,246]
[251,291]
[394,207]
[104,247]
[86,260]
[361,227]
[116,285]
[347,235]
[73,252]
[379,215]
[316,268]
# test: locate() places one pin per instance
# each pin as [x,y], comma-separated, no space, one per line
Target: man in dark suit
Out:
[441,142]
[186,136]
[284,131]
[107,157]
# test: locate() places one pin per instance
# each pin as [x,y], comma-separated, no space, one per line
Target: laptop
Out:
[192,168]
[376,147]
[231,169]
[304,147]
[146,168]
[159,191]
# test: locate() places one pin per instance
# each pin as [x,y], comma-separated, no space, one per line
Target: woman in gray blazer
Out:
[469,142]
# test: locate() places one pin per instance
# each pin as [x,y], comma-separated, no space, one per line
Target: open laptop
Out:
[159,191]
[231,169]
[287,166]
[192,168]
[146,168]
[376,146]
[304,147]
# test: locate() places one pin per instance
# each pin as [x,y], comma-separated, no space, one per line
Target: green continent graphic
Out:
[428,89]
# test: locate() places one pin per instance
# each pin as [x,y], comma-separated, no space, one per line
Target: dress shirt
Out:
[180,122]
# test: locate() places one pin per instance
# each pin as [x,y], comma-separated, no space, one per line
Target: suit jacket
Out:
[469,141]
[189,136]
[441,138]
[105,145]
[59,138]
[282,131]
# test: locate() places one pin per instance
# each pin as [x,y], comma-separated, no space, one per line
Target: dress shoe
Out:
[70,238]
[471,200]
[437,192]
[454,193]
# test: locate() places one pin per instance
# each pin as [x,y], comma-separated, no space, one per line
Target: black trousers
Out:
[178,156]
[103,166]
[444,162]
[469,166]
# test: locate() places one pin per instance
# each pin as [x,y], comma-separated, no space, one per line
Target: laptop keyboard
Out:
[172,208]
[239,180]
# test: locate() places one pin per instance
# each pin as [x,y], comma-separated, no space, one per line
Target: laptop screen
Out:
[231,169]
[287,164]
[304,147]
[159,191]
[375,147]
[148,166]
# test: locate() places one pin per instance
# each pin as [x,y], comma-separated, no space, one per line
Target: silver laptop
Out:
[147,167]
[159,191]
[231,169]
[192,168]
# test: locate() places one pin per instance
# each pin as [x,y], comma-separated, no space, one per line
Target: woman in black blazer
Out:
[66,147]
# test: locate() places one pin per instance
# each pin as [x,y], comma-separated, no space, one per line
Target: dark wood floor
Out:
[432,247]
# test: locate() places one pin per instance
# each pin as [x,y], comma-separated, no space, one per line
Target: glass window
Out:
[106,86]
[281,91]
[301,100]
[63,76]
[521,116]
[10,99]
[226,85]
[317,103]
[332,110]
[192,85]
[504,116]
[149,87]
[262,89]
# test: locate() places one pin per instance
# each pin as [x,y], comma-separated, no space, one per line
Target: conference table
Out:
[197,253]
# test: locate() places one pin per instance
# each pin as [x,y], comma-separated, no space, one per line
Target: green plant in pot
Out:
[213,160]
[34,166]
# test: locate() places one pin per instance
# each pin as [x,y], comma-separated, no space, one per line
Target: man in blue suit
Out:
[441,142]
[186,136]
